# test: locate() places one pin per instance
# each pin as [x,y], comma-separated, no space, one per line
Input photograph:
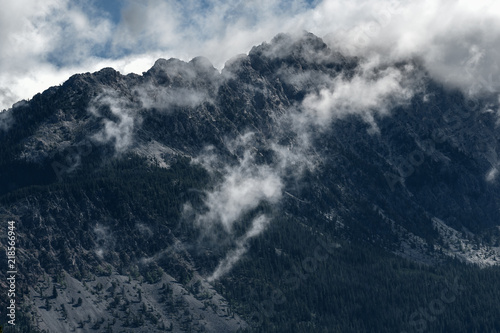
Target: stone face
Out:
[422,184]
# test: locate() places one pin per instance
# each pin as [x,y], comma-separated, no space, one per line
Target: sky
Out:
[44,43]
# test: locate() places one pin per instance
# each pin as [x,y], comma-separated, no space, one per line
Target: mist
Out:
[457,40]
[373,90]
[119,130]
[6,120]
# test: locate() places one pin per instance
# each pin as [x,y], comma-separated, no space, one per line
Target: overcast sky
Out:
[42,43]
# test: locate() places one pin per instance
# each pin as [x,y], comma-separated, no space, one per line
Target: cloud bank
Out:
[367,94]
[43,43]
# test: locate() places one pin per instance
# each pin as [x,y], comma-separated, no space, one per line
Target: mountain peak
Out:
[302,45]
[202,63]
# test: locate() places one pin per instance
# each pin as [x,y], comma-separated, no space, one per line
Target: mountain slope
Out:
[295,178]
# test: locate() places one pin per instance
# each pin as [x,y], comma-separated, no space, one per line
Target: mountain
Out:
[298,189]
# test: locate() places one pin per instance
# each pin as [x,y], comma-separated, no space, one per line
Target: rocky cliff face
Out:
[133,192]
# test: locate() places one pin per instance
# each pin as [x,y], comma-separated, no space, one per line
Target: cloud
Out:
[492,174]
[457,40]
[232,257]
[372,91]
[162,98]
[104,240]
[118,130]
[148,24]
[43,43]
[6,120]
[7,97]
[243,187]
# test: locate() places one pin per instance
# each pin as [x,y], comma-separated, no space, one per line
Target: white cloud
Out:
[232,257]
[119,132]
[244,186]
[165,98]
[492,174]
[104,240]
[151,24]
[447,35]
[43,43]
[366,94]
